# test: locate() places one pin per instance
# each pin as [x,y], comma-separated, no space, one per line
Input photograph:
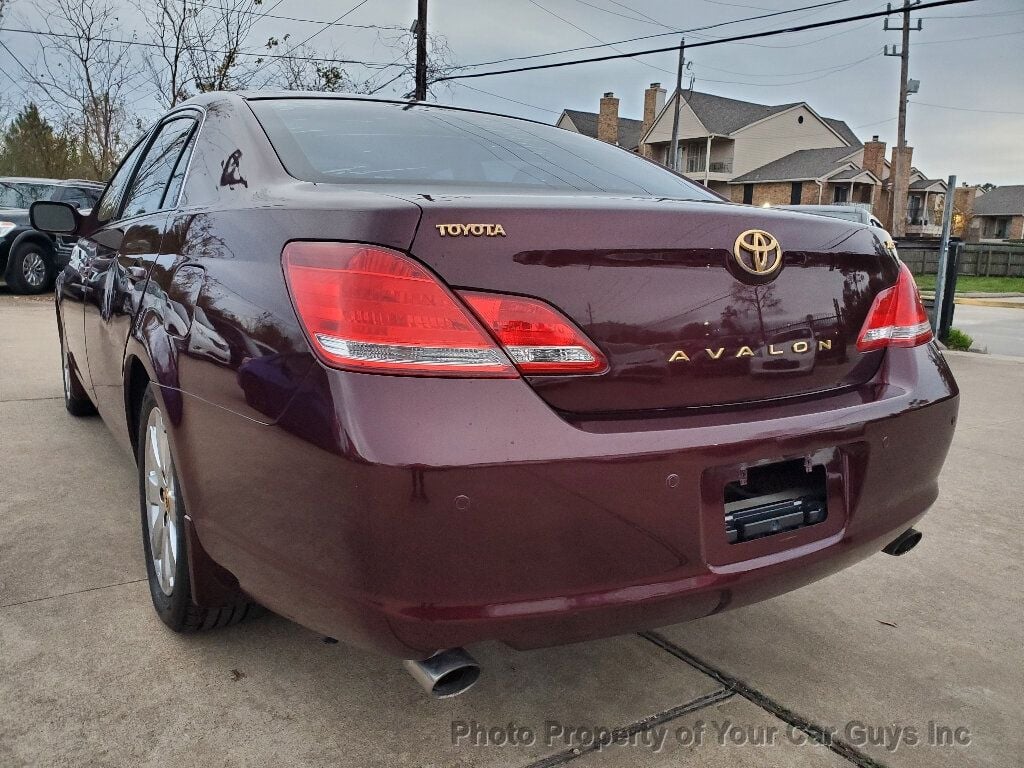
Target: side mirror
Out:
[55,218]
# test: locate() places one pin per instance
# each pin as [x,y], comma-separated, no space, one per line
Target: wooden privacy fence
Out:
[975,259]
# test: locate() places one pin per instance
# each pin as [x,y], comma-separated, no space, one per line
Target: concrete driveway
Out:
[912,661]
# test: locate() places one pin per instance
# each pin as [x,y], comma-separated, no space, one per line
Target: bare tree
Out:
[169,23]
[216,36]
[85,78]
[440,62]
[304,69]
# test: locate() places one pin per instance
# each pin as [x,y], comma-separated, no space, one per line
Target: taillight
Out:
[366,308]
[537,337]
[897,317]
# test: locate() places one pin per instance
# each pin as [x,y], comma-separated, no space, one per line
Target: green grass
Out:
[957,339]
[972,284]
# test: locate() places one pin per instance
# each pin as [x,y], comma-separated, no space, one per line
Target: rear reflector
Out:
[366,308]
[897,317]
[537,337]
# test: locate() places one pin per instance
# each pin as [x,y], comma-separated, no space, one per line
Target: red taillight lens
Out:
[366,308]
[897,317]
[537,337]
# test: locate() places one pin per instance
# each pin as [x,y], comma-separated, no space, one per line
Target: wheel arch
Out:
[29,236]
[213,585]
[136,380]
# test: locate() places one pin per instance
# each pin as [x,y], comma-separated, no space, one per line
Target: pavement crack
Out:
[638,726]
[819,734]
[73,592]
[29,399]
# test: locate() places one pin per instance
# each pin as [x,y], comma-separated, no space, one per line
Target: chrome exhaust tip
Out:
[903,543]
[445,674]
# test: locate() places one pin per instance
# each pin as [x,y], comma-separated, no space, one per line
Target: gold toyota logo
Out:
[757,252]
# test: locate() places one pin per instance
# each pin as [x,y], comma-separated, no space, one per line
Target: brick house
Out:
[998,214]
[721,139]
[810,177]
[758,154]
[605,125]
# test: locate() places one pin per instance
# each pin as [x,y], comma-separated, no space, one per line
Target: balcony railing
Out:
[696,165]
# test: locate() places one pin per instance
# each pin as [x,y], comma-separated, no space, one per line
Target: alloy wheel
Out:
[33,269]
[161,507]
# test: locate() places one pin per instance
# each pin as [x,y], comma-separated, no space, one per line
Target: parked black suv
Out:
[29,259]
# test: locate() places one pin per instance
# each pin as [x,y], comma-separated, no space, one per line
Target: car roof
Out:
[203,99]
[54,182]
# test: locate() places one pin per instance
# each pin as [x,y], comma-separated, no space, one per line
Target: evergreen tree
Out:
[30,146]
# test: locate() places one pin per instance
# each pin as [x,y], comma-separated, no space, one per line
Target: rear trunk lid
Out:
[659,287]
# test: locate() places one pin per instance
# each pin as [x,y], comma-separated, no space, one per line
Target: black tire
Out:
[177,609]
[30,268]
[76,400]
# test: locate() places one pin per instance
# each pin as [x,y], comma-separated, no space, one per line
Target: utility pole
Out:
[900,170]
[945,281]
[673,149]
[420,27]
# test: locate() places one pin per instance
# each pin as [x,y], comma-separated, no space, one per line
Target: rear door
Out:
[123,251]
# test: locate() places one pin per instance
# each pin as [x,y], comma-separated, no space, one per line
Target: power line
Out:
[591,36]
[145,44]
[647,20]
[978,37]
[720,41]
[660,34]
[826,73]
[268,15]
[320,31]
[514,101]
[967,109]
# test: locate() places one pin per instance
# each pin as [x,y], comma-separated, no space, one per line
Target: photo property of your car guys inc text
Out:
[435,383]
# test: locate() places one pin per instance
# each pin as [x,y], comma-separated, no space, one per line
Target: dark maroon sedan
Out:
[418,377]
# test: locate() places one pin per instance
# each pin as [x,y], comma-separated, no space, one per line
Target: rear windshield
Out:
[349,141]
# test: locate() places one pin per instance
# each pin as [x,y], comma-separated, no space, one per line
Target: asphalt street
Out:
[912,661]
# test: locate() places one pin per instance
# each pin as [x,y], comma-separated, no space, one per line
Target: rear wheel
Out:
[29,269]
[76,400]
[163,532]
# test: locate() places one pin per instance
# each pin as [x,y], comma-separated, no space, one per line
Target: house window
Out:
[796,191]
[748,194]
[839,194]
[997,228]
[914,209]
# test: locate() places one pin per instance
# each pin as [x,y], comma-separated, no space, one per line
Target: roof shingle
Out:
[1001,201]
[799,165]
[586,123]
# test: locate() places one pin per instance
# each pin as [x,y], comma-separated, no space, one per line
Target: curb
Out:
[1005,302]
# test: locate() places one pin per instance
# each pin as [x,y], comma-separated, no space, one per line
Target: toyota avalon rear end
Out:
[570,414]
[483,379]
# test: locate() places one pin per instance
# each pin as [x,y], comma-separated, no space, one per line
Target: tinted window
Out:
[348,141]
[147,190]
[20,194]
[109,203]
[81,197]
[178,177]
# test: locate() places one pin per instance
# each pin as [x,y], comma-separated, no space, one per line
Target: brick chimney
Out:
[874,157]
[654,101]
[608,119]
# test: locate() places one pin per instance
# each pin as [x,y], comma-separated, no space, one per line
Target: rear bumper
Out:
[410,514]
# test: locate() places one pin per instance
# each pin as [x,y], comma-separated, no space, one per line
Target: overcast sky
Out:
[968,118]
